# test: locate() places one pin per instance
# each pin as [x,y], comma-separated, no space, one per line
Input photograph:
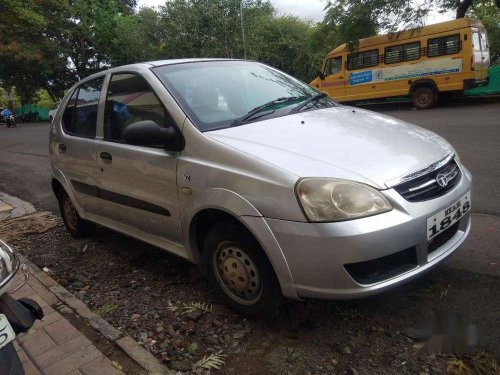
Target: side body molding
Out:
[240,208]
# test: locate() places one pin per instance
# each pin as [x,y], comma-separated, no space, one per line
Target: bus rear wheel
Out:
[424,97]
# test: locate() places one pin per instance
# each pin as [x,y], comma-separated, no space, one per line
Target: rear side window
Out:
[130,99]
[362,59]
[443,46]
[80,115]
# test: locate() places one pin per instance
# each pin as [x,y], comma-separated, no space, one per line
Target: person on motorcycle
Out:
[6,113]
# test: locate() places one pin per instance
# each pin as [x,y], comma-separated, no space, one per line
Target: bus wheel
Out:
[423,97]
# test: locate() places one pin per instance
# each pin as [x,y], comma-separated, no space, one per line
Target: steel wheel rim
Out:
[423,98]
[70,213]
[237,274]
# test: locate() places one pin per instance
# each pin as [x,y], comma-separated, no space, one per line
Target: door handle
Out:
[62,147]
[106,156]
[340,78]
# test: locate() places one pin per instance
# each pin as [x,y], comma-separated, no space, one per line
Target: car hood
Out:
[341,142]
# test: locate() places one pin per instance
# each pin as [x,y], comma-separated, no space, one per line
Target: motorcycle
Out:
[10,121]
[16,316]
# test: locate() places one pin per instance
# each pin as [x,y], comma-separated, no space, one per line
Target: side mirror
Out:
[148,133]
[321,76]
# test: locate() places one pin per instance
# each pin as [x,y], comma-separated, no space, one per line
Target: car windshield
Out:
[220,94]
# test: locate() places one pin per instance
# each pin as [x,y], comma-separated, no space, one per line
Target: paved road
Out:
[474,130]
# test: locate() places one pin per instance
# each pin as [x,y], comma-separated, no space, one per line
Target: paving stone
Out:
[73,361]
[47,319]
[61,351]
[43,292]
[30,369]
[101,366]
[22,356]
[25,291]
[61,330]
[36,343]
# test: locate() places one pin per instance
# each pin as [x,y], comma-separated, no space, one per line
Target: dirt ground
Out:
[446,320]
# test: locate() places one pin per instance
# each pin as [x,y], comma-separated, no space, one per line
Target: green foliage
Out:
[42,99]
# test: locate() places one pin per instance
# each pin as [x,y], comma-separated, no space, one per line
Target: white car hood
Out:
[341,142]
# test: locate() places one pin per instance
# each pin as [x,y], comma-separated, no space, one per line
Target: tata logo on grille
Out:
[442,180]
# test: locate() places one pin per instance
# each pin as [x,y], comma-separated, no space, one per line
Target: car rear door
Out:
[485,54]
[74,151]
[137,184]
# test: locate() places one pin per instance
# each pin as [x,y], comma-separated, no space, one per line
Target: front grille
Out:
[442,238]
[427,187]
[376,270]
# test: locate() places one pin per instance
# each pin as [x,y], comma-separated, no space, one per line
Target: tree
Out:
[362,18]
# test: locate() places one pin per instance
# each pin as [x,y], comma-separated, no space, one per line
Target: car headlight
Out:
[9,264]
[328,199]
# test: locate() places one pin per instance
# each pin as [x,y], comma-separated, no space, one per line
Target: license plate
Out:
[446,218]
[6,332]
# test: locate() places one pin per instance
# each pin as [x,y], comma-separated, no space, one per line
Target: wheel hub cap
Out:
[237,274]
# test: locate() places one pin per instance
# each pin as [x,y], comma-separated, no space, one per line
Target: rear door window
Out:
[475,41]
[484,41]
[80,115]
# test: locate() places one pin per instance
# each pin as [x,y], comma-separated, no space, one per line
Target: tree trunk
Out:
[463,7]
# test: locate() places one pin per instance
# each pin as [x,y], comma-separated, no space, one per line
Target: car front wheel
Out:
[240,272]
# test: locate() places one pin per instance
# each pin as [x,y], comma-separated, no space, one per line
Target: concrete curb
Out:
[123,341]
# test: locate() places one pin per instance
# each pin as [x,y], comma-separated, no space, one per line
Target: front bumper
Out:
[317,253]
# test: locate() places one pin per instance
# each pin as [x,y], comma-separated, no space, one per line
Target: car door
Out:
[137,184]
[74,151]
[334,82]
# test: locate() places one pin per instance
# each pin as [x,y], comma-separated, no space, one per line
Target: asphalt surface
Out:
[473,129]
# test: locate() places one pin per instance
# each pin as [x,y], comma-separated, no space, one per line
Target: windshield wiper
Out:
[262,107]
[306,102]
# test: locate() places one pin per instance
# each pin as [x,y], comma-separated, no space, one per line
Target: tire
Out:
[239,271]
[76,226]
[424,97]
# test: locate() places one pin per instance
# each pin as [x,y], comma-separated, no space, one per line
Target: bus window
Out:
[475,41]
[392,54]
[333,66]
[362,59]
[484,41]
[447,45]
[411,51]
[403,52]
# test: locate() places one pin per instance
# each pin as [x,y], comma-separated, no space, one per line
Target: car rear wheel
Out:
[240,272]
[75,225]
[424,97]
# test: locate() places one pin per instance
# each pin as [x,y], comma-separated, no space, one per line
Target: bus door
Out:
[480,53]
[334,81]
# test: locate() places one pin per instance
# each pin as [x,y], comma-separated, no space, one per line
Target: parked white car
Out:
[270,186]
[53,111]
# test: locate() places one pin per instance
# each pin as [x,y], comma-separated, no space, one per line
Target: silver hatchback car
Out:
[273,188]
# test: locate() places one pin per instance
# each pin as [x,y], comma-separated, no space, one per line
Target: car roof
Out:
[151,64]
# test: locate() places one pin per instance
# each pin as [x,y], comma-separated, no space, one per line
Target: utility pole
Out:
[243,31]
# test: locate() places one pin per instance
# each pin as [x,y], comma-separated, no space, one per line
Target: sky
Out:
[307,9]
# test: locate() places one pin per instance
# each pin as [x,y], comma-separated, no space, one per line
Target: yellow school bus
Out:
[422,63]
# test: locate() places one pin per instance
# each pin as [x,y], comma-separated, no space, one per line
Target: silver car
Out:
[270,186]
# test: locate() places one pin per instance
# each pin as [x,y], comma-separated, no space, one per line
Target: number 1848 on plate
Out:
[446,218]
